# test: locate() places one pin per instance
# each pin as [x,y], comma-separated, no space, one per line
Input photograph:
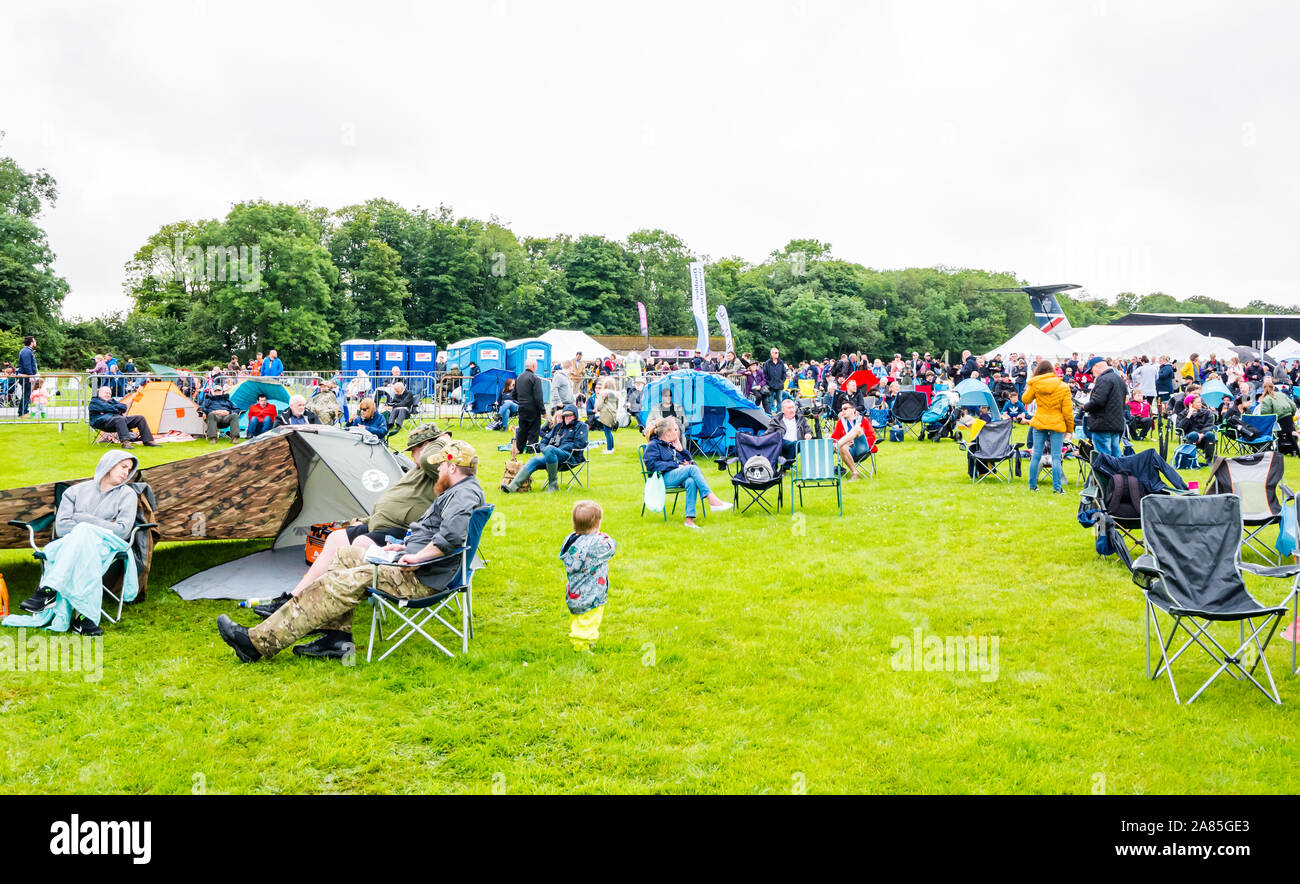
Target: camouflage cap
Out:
[460,453]
[421,435]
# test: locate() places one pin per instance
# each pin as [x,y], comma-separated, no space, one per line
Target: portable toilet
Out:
[521,350]
[483,352]
[422,364]
[392,354]
[359,354]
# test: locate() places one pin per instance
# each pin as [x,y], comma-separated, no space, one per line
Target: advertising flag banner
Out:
[699,307]
[724,322]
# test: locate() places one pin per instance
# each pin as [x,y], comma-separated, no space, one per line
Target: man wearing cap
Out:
[327,604]
[396,508]
[565,442]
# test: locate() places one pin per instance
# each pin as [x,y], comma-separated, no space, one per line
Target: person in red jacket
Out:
[854,437]
[261,416]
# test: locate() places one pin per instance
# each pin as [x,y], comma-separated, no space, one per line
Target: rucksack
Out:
[758,469]
[1186,458]
[1125,495]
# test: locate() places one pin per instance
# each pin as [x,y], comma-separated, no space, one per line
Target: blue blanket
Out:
[74,568]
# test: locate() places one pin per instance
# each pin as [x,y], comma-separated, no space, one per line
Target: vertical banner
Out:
[699,307]
[645,325]
[724,322]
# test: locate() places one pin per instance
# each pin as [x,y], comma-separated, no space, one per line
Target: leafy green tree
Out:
[31,293]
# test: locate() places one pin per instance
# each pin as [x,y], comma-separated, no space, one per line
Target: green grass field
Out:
[753,656]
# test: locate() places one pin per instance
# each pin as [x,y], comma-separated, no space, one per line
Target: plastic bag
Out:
[655,493]
[1286,541]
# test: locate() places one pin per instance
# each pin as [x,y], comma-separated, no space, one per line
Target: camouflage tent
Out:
[276,485]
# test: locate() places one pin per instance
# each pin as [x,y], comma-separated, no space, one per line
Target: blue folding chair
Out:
[459,592]
[816,466]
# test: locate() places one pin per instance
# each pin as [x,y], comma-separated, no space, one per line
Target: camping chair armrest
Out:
[34,527]
[138,527]
[1265,571]
[1146,571]
[454,554]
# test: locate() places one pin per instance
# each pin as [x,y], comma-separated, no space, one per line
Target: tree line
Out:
[302,278]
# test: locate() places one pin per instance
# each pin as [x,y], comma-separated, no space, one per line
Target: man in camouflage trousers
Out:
[327,604]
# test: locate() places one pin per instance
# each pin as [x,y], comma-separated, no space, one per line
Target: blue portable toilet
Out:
[421,363]
[392,354]
[521,350]
[483,352]
[359,354]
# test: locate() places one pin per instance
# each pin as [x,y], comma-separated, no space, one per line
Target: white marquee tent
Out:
[1175,341]
[1288,349]
[1030,341]
[565,344]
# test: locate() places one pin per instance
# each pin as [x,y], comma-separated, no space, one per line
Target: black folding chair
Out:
[1192,571]
[1154,476]
[909,406]
[990,450]
[1256,479]
[767,445]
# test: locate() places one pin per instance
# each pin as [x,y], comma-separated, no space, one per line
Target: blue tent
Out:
[975,394]
[706,400]
[1214,392]
[246,392]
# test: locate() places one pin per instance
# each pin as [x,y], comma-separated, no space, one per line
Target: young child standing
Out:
[40,398]
[586,554]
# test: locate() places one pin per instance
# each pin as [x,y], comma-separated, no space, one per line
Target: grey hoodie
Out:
[84,502]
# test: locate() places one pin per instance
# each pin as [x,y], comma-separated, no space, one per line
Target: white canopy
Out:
[567,344]
[1175,341]
[1288,349]
[1031,341]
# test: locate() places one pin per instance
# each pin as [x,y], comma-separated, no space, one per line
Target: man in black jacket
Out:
[1105,409]
[528,393]
[774,371]
[109,415]
[220,413]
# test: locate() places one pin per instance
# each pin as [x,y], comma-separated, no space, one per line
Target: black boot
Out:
[333,644]
[266,609]
[237,637]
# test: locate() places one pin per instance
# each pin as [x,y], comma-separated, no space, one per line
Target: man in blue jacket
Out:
[26,371]
[272,367]
[565,442]
[220,413]
[108,415]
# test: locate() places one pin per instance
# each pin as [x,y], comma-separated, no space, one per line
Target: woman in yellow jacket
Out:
[1053,420]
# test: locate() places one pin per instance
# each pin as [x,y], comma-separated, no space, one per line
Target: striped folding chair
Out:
[816,466]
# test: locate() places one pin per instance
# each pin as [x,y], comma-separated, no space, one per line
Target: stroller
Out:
[940,419]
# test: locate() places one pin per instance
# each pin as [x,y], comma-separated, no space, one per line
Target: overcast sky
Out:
[1133,146]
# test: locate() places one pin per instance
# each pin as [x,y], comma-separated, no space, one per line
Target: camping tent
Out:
[246,392]
[1288,349]
[165,409]
[1176,341]
[708,401]
[565,344]
[276,485]
[975,394]
[1031,342]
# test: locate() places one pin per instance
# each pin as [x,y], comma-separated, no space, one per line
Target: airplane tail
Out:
[1048,314]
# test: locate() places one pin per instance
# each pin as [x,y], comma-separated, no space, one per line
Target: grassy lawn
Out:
[753,656]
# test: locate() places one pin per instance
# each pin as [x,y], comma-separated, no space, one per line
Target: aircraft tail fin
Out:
[1048,314]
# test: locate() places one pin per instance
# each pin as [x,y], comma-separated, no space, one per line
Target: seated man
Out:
[327,604]
[94,519]
[220,413]
[261,416]
[854,437]
[325,404]
[793,427]
[296,415]
[400,505]
[565,442]
[109,416]
[399,405]
[1139,417]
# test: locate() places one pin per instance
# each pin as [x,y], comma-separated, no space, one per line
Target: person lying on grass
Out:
[666,454]
[94,521]
[396,508]
[326,605]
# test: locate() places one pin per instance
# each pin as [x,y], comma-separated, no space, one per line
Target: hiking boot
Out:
[39,601]
[332,645]
[266,609]
[128,445]
[237,637]
[85,626]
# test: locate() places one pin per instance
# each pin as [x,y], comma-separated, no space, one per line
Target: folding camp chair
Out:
[879,418]
[816,467]
[767,445]
[710,440]
[1265,426]
[1192,571]
[909,406]
[139,540]
[1256,479]
[578,472]
[991,449]
[674,493]
[415,614]
[1153,475]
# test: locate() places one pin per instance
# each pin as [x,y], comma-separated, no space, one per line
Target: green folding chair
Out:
[816,466]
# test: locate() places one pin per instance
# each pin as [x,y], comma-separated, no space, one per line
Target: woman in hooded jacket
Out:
[1053,421]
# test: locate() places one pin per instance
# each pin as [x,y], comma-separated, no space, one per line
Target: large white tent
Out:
[1175,341]
[1031,341]
[566,344]
[1288,349]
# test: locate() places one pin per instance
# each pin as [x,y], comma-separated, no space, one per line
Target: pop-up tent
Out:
[165,409]
[712,406]
[277,485]
[974,394]
[246,392]
[1286,350]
